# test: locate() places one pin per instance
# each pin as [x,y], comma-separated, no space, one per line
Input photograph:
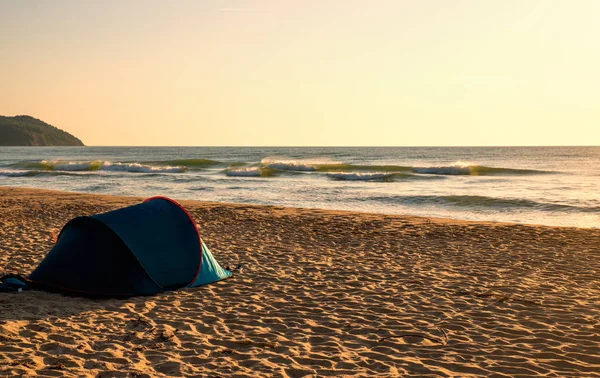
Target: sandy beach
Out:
[321,293]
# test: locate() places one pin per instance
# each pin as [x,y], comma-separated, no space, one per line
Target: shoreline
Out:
[322,293]
[310,209]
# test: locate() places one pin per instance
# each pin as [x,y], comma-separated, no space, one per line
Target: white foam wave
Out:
[72,166]
[304,165]
[109,166]
[463,164]
[139,168]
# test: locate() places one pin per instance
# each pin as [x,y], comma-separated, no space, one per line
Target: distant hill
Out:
[24,130]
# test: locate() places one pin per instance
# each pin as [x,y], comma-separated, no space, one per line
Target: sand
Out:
[321,293]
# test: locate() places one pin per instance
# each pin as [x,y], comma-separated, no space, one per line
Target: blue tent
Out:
[143,249]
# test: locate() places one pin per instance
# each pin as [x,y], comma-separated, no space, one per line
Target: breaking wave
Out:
[274,166]
[137,167]
[98,165]
[454,169]
[289,166]
[324,165]
[299,165]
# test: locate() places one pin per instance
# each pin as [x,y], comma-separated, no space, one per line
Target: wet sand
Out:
[321,293]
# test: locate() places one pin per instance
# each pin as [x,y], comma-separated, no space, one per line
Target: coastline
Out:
[322,292]
[478,184]
[126,200]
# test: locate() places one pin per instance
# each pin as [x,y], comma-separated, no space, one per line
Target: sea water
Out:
[538,185]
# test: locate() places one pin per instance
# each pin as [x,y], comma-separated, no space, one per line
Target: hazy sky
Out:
[401,73]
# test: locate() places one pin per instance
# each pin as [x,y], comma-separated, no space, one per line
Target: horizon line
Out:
[324,146]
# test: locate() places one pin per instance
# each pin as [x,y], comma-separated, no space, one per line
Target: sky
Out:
[306,73]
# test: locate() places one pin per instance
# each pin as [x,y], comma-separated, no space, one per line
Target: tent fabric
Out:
[143,249]
[210,270]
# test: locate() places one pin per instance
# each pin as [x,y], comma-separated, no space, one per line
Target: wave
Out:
[39,173]
[250,172]
[335,167]
[496,203]
[271,165]
[362,168]
[452,170]
[201,189]
[98,165]
[298,165]
[17,173]
[358,176]
[476,170]
[140,168]
[457,168]
[377,176]
[43,165]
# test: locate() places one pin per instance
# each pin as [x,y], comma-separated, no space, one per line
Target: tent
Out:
[143,249]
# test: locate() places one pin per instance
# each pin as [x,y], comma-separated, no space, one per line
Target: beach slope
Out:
[325,293]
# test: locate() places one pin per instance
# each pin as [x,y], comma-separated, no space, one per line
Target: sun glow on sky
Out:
[308,73]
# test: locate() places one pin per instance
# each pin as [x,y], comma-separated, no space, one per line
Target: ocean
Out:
[555,186]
